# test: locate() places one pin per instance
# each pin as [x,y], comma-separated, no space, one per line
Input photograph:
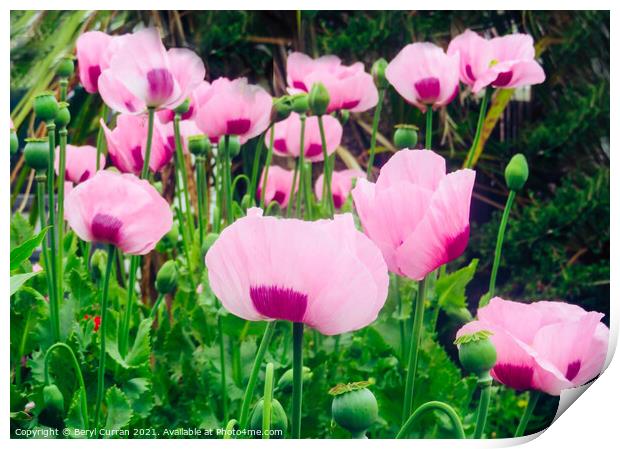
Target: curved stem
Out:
[62,160]
[298,340]
[178,148]
[258,360]
[267,395]
[267,165]
[160,298]
[414,346]
[327,197]
[51,221]
[428,140]
[500,242]
[102,334]
[223,385]
[78,373]
[149,144]
[229,428]
[373,135]
[483,406]
[469,160]
[430,406]
[527,413]
[100,136]
[257,152]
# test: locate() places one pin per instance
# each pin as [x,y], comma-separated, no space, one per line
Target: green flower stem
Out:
[527,413]
[227,181]
[223,385]
[63,83]
[483,405]
[500,242]
[267,395]
[51,235]
[258,360]
[428,140]
[303,195]
[373,135]
[401,322]
[308,188]
[100,136]
[62,161]
[219,187]
[102,334]
[229,428]
[257,153]
[158,301]
[298,340]
[202,195]
[78,374]
[149,144]
[267,166]
[458,431]
[327,197]
[294,192]
[54,314]
[22,348]
[185,244]
[469,160]
[414,346]
[178,147]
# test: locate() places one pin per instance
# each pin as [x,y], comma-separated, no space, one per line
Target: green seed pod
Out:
[63,117]
[343,116]
[300,103]
[66,67]
[318,100]
[516,172]
[234,146]
[354,407]
[53,399]
[36,154]
[46,106]
[167,277]
[282,108]
[14,142]
[98,263]
[378,73]
[183,108]
[477,352]
[198,145]
[406,136]
[286,381]
[279,420]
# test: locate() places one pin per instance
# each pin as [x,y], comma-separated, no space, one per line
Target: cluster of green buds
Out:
[516,172]
[354,407]
[405,136]
[477,353]
[167,278]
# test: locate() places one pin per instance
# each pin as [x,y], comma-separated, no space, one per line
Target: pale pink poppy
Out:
[424,75]
[93,57]
[546,346]
[278,188]
[415,213]
[127,144]
[342,183]
[349,87]
[80,162]
[287,137]
[507,61]
[119,209]
[325,273]
[196,96]
[234,107]
[157,78]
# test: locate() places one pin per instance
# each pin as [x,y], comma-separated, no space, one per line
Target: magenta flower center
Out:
[518,377]
[94,71]
[300,85]
[456,245]
[338,201]
[84,176]
[279,197]
[280,303]
[470,73]
[238,127]
[350,104]
[428,89]
[160,86]
[314,149]
[503,79]
[280,145]
[573,369]
[106,228]
[138,160]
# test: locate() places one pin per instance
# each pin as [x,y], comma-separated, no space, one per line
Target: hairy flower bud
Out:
[46,106]
[36,154]
[406,136]
[318,100]
[354,407]
[279,420]
[516,172]
[167,276]
[378,73]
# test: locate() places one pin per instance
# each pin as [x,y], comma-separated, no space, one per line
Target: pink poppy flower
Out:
[546,346]
[127,144]
[195,98]
[325,273]
[187,128]
[349,87]
[278,186]
[287,135]
[415,213]
[119,209]
[150,75]
[507,61]
[94,51]
[234,107]
[342,183]
[424,75]
[81,162]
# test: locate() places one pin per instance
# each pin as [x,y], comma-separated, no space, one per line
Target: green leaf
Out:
[21,230]
[450,288]
[25,250]
[17,280]
[74,415]
[140,396]
[119,410]
[139,352]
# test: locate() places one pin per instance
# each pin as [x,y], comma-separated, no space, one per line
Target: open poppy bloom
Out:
[546,346]
[416,214]
[325,273]
[349,87]
[424,75]
[119,209]
[233,108]
[278,186]
[127,144]
[81,162]
[196,96]
[506,61]
[94,50]
[187,128]
[342,183]
[143,74]
[287,137]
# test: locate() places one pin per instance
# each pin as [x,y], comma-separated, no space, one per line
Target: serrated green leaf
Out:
[74,416]
[450,289]
[17,280]
[81,287]
[140,350]
[25,250]
[21,230]
[119,410]
[140,396]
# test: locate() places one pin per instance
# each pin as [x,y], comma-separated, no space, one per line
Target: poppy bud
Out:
[14,142]
[343,116]
[172,237]
[286,381]
[52,398]
[279,420]
[477,352]
[198,145]
[36,154]
[300,103]
[246,202]
[282,108]
[183,108]
[354,407]
[98,262]
[318,100]
[234,146]
[378,73]
[63,116]
[516,172]
[66,67]
[406,136]
[46,106]
[167,276]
